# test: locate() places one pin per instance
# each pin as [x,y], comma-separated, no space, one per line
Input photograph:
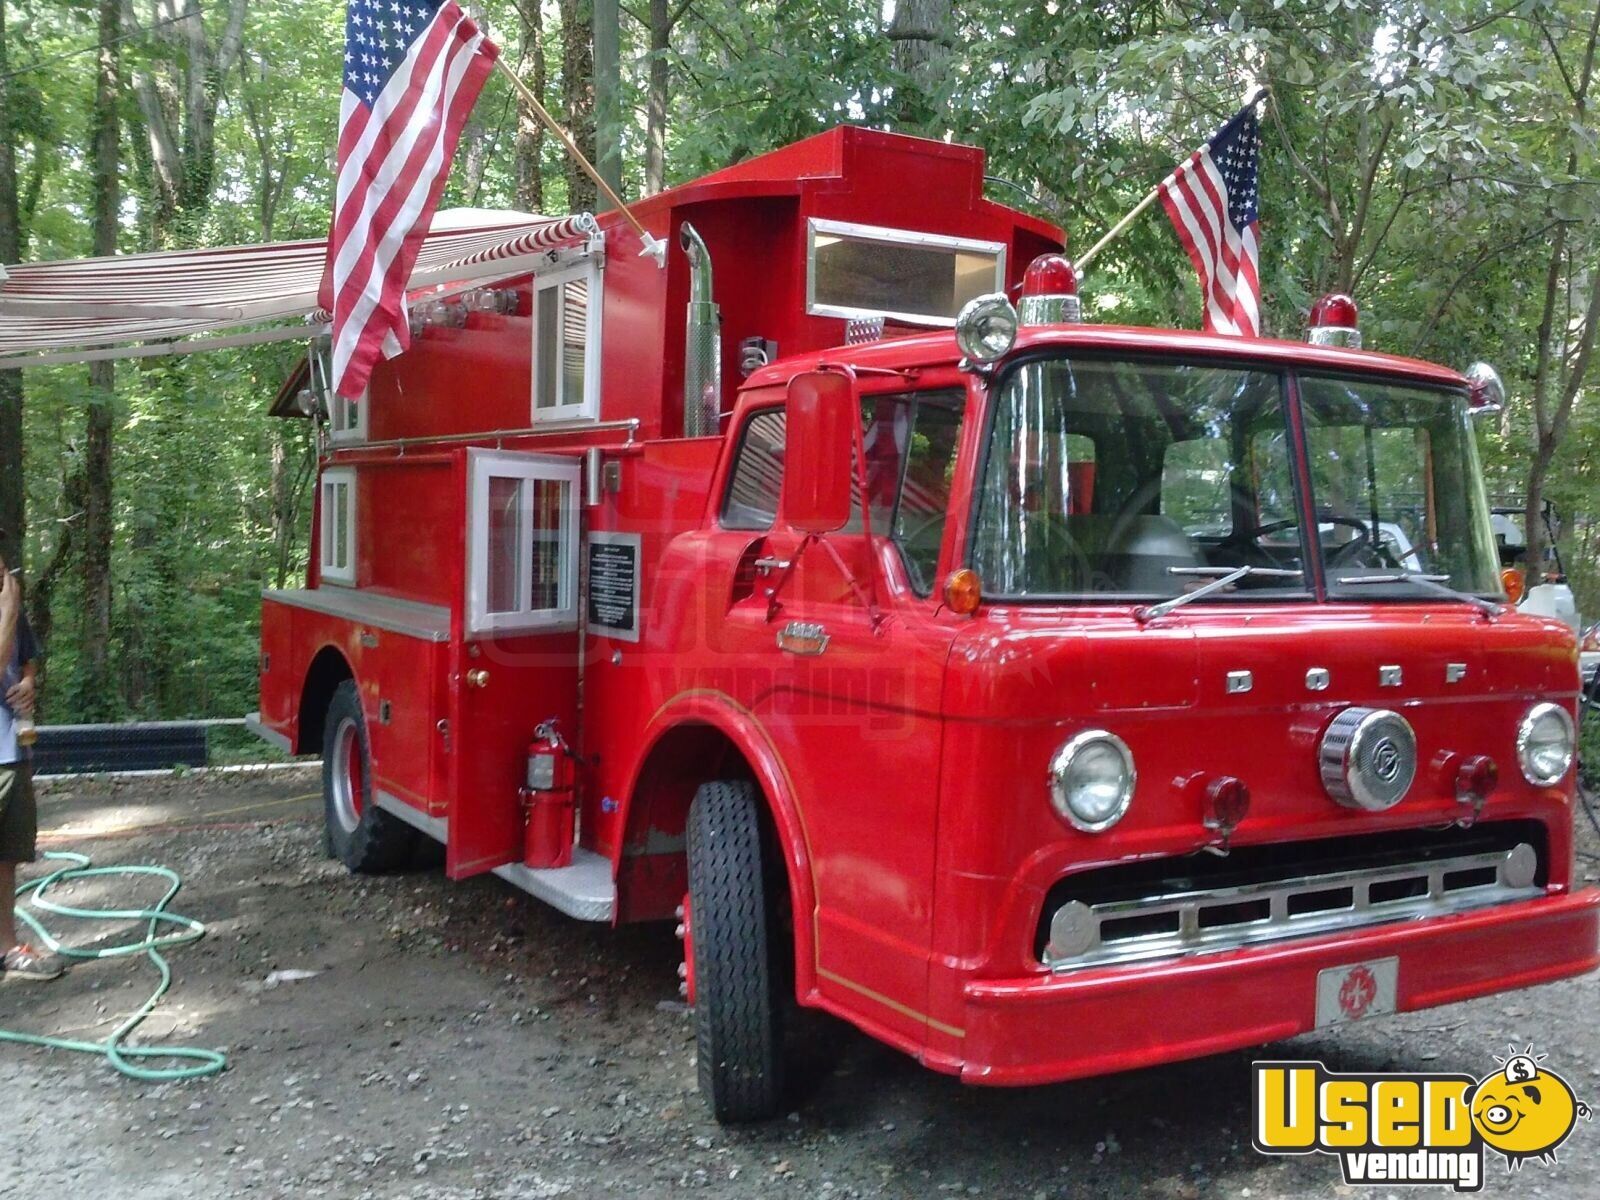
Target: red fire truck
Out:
[1046,697]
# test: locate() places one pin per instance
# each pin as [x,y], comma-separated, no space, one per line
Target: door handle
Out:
[770,564]
[803,637]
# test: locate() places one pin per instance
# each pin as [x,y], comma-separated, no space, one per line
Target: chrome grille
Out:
[1165,925]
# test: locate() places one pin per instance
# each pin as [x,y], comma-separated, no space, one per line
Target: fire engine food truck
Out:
[1042,696]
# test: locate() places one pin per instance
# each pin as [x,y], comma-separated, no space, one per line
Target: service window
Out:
[872,271]
[757,480]
[522,542]
[566,344]
[338,533]
[347,419]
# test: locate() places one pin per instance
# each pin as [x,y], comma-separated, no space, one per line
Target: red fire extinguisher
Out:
[548,799]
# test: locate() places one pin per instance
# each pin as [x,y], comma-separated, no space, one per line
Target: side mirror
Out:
[819,454]
[1485,393]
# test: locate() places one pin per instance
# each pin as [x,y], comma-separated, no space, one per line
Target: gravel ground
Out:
[462,1042]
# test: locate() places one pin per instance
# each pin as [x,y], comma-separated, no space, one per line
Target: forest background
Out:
[1441,161]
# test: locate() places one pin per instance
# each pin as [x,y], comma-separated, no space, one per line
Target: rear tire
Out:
[360,834]
[736,947]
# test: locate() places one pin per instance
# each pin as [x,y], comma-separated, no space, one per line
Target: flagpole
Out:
[653,247]
[1080,263]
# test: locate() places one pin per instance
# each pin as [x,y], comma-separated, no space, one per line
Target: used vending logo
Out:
[1415,1127]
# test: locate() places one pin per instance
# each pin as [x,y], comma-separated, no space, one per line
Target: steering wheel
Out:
[1340,557]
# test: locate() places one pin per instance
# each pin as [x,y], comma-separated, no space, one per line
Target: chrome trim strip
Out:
[272,737]
[1193,937]
[583,891]
[430,622]
[435,827]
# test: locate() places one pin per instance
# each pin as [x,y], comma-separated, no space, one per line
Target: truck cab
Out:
[1044,697]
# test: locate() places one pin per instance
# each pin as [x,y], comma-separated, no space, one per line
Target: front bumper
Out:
[1045,1028]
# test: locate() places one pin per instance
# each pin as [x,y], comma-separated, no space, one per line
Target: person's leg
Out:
[11,776]
[8,895]
[19,830]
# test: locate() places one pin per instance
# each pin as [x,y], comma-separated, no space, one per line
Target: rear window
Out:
[757,482]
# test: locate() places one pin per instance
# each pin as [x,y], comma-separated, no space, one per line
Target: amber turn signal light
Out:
[1511,579]
[963,591]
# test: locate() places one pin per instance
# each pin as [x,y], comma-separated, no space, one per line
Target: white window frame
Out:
[333,477]
[338,433]
[587,406]
[482,466]
[895,237]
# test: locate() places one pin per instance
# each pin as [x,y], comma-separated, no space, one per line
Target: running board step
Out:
[584,890]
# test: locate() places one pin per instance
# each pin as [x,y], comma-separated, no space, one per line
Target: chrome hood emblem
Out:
[1368,758]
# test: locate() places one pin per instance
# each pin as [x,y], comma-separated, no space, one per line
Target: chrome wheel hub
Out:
[347,777]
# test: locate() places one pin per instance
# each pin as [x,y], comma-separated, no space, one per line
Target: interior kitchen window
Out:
[902,274]
[566,344]
[337,534]
[522,542]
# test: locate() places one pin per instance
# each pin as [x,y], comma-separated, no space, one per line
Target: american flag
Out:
[1212,200]
[412,71]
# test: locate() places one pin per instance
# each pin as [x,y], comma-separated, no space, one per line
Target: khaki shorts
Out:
[19,821]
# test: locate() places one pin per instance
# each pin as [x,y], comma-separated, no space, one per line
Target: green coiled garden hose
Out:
[114,1047]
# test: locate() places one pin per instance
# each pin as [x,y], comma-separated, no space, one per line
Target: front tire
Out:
[360,834]
[736,949]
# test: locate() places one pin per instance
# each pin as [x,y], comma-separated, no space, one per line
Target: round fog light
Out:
[1091,780]
[1521,867]
[1072,931]
[1545,744]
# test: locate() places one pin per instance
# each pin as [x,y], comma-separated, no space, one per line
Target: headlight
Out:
[1091,780]
[1545,744]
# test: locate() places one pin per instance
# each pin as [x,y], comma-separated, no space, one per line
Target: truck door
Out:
[856,670]
[517,661]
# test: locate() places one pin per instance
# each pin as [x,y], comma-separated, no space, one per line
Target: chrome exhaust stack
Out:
[702,351]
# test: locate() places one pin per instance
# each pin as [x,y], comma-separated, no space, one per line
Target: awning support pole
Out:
[653,247]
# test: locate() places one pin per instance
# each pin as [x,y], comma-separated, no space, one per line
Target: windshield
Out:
[1397,487]
[1137,480]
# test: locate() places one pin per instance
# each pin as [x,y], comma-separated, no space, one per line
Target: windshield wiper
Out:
[1226,577]
[1431,583]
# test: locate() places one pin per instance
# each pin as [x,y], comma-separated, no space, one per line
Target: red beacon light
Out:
[1333,322]
[1050,292]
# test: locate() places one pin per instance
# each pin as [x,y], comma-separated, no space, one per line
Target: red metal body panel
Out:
[531,679]
[411,676]
[903,769]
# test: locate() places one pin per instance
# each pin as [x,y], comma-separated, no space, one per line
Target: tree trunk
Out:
[577,94]
[95,561]
[530,133]
[1565,345]
[178,100]
[282,517]
[656,97]
[475,159]
[13,495]
[920,33]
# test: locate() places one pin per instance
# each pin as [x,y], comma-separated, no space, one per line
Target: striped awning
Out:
[138,305]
